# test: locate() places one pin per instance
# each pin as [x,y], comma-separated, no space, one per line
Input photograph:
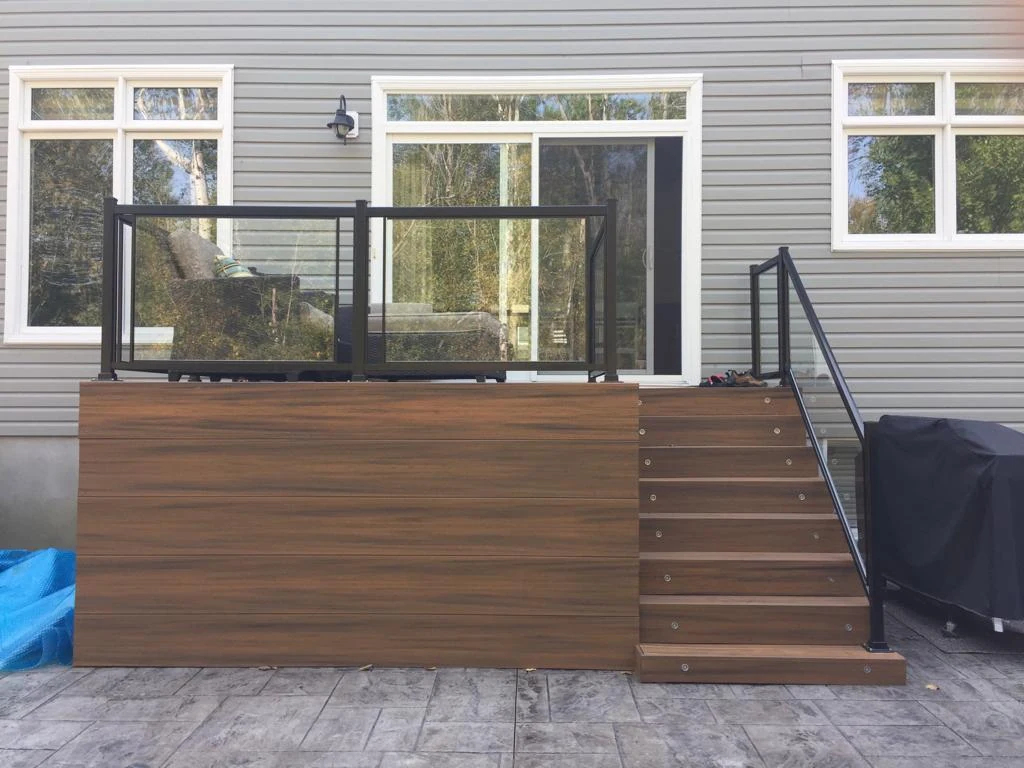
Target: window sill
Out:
[926,246]
[62,338]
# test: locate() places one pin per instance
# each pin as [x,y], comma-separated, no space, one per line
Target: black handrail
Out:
[116,217]
[826,348]
[868,566]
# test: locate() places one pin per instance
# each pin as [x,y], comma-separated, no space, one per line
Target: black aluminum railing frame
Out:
[869,567]
[116,216]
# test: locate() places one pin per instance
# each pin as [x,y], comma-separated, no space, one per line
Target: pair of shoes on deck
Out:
[733,378]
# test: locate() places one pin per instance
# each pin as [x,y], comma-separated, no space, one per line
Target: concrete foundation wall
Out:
[38,492]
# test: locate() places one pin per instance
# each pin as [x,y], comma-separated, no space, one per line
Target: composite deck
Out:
[235,524]
[682,533]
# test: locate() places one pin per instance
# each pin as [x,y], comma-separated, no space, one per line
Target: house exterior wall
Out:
[916,333]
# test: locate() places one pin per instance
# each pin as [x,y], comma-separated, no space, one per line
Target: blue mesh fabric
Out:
[37,607]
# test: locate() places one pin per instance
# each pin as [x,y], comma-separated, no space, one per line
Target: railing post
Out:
[783,303]
[360,288]
[591,326]
[872,534]
[755,323]
[611,333]
[109,293]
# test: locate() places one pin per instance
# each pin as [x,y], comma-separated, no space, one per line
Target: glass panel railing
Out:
[832,426]
[281,292]
[232,289]
[488,290]
[832,420]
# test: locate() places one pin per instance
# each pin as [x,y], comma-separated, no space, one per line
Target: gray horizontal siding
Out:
[916,333]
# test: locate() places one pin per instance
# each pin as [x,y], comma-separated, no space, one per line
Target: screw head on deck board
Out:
[867,670]
[777,431]
[647,462]
[789,462]
[816,536]
[848,627]
[668,577]
[675,625]
[767,400]
[684,667]
[654,497]
[658,534]
[802,496]
[643,431]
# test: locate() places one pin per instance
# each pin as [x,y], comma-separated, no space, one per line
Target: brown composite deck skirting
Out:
[335,524]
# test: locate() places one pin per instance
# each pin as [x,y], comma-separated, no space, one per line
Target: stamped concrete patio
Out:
[958,710]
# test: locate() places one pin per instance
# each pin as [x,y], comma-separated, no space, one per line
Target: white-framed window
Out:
[928,155]
[532,140]
[144,134]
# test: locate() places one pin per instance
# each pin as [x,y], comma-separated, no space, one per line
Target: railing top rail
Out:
[348,212]
[764,266]
[237,211]
[488,212]
[826,349]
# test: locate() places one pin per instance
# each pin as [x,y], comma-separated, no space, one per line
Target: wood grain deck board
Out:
[389,468]
[358,584]
[420,640]
[358,411]
[356,525]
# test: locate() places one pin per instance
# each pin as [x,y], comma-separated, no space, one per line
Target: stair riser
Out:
[723,431]
[716,402]
[766,498]
[727,462]
[729,535]
[732,577]
[884,671]
[766,625]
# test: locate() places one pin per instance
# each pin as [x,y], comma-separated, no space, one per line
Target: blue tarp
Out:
[37,607]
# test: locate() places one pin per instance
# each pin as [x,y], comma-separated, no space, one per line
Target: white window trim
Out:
[122,130]
[943,72]
[386,132]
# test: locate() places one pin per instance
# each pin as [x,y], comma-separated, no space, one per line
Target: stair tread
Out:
[767,418]
[803,479]
[805,557]
[729,448]
[717,391]
[770,516]
[802,601]
[763,651]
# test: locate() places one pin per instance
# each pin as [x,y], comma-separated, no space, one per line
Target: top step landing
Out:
[717,401]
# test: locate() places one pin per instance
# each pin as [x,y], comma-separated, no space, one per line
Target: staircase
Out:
[745,574]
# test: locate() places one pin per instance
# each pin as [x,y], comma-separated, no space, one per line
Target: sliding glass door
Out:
[588,172]
[526,281]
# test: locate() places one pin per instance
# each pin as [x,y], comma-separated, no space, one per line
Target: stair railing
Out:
[788,343]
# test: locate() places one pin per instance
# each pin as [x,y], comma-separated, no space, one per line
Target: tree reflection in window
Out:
[68,180]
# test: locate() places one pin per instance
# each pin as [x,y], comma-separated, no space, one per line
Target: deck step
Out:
[740,532]
[749,573]
[767,664]
[694,401]
[772,619]
[726,430]
[723,462]
[765,495]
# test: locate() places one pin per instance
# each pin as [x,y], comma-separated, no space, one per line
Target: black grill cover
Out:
[949,503]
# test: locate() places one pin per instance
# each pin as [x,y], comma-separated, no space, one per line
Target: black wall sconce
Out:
[345,124]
